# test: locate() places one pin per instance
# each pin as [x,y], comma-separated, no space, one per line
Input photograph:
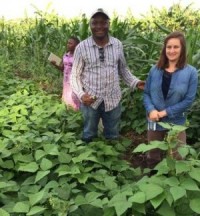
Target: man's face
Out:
[99,25]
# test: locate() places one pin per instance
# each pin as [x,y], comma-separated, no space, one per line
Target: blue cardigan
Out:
[180,96]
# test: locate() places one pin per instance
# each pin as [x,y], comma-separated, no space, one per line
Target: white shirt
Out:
[100,78]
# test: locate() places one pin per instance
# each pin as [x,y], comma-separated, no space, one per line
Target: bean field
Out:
[45,168]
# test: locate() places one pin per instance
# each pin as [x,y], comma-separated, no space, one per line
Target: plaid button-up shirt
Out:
[99,75]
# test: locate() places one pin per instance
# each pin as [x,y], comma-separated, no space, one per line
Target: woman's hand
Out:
[153,115]
[162,114]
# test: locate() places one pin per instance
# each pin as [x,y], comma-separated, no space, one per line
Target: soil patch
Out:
[136,159]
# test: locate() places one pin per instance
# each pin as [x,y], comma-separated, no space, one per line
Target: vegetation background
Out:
[45,169]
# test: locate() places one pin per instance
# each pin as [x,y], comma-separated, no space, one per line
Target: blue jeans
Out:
[110,120]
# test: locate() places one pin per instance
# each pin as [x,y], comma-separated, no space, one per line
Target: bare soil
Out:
[135,159]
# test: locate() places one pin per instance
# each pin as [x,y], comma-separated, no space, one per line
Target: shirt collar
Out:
[93,43]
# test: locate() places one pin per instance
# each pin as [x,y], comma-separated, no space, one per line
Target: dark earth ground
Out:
[135,159]
[139,160]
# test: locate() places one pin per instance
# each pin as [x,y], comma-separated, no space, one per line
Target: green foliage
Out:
[45,168]
[174,190]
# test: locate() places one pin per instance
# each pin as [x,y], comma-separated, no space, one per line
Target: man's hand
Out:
[87,99]
[140,85]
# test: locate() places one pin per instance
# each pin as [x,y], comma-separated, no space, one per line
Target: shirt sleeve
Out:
[77,69]
[183,105]
[149,106]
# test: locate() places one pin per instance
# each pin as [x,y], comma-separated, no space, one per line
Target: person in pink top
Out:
[68,96]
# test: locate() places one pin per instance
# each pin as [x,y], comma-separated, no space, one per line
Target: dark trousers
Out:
[110,120]
[154,156]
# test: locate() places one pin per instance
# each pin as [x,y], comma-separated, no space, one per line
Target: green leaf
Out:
[91,196]
[41,174]
[51,184]
[23,158]
[109,212]
[138,208]
[83,156]
[172,181]
[162,167]
[152,145]
[7,133]
[7,184]
[179,128]
[24,128]
[36,210]
[177,192]
[181,167]
[138,197]
[151,190]
[51,149]
[64,158]
[120,203]
[3,212]
[189,184]
[4,112]
[194,205]
[46,164]
[80,200]
[8,164]
[141,148]
[83,177]
[110,182]
[195,174]
[29,180]
[108,150]
[64,170]
[97,203]
[2,146]
[63,192]
[37,197]
[183,151]
[39,154]
[165,125]
[30,167]
[157,200]
[24,111]
[166,210]
[21,207]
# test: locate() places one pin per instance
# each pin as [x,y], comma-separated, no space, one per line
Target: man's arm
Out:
[126,75]
[77,70]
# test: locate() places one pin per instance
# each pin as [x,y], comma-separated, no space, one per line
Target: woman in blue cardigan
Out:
[169,91]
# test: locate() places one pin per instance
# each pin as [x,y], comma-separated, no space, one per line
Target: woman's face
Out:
[173,49]
[71,45]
